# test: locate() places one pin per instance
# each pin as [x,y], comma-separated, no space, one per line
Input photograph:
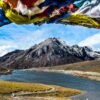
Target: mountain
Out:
[50,52]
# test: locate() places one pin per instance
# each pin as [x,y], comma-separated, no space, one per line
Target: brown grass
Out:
[34,90]
[81,66]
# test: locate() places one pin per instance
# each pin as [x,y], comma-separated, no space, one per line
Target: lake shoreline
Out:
[87,74]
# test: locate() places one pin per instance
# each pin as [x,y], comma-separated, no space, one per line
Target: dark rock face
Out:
[51,52]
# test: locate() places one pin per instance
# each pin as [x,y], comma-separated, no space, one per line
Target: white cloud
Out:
[4,49]
[21,41]
[6,46]
[91,41]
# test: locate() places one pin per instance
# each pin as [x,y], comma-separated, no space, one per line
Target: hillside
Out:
[91,66]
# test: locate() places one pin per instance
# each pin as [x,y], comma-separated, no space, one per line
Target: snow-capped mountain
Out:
[50,52]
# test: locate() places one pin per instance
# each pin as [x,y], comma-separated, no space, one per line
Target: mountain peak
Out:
[49,44]
[51,41]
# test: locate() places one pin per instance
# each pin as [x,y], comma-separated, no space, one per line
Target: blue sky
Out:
[14,36]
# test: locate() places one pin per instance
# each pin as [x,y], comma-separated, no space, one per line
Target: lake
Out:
[55,79]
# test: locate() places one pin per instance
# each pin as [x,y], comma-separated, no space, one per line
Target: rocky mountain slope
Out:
[50,52]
